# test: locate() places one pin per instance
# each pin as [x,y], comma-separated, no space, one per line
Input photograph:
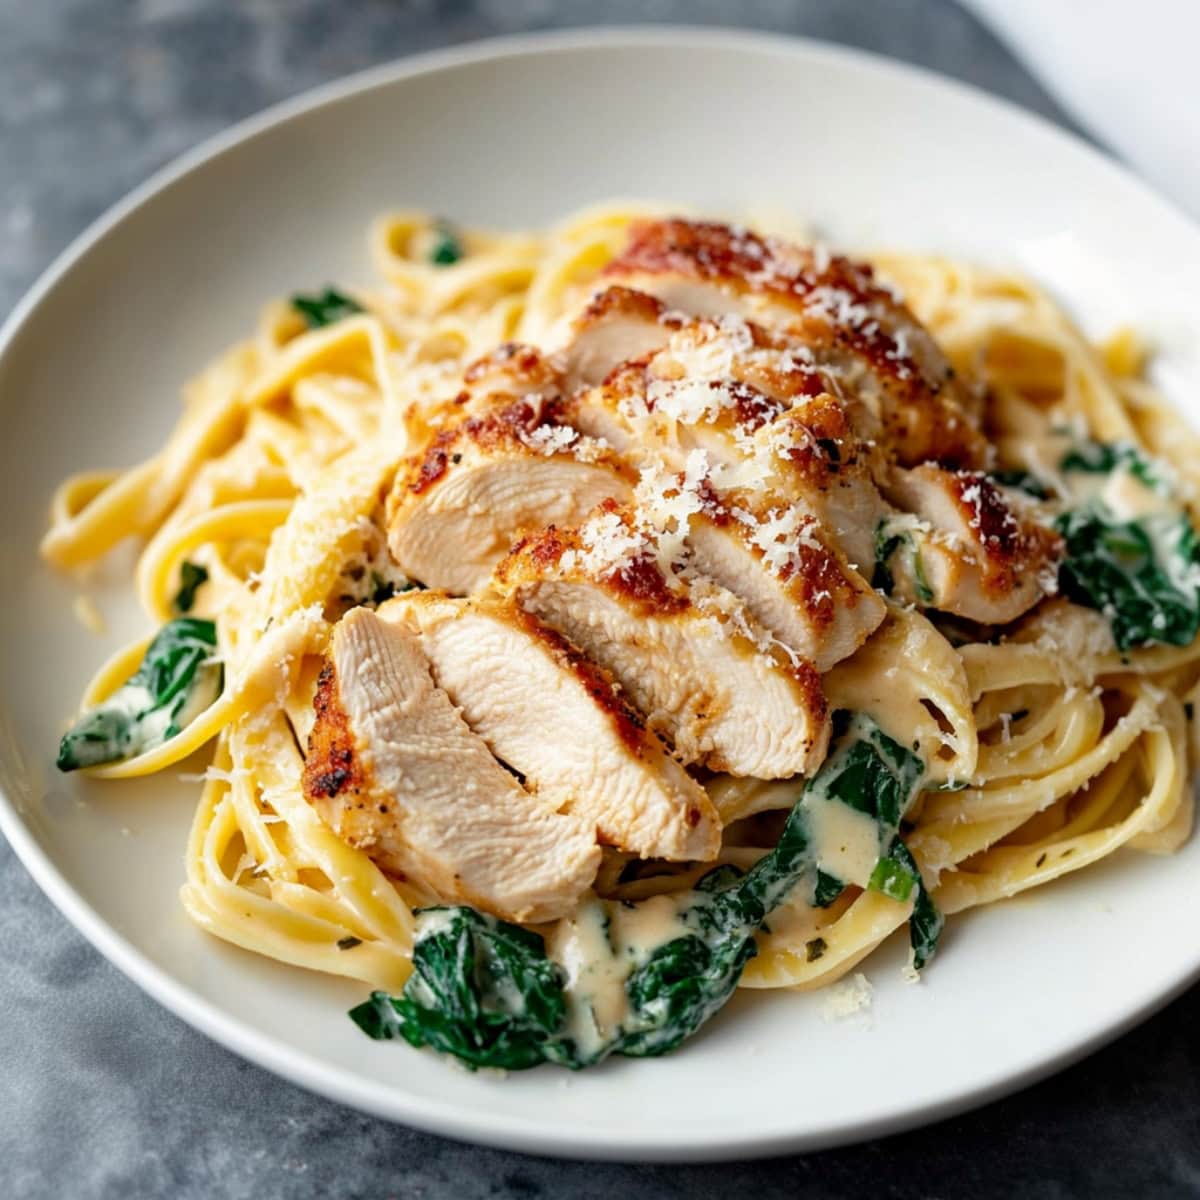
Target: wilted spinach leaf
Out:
[325,307]
[447,248]
[486,992]
[175,682]
[191,577]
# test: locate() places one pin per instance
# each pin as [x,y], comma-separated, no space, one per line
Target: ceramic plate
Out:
[516,133]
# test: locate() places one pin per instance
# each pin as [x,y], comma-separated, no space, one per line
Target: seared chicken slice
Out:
[790,581]
[692,396]
[688,655]
[559,721]
[617,327]
[394,770]
[512,370]
[454,511]
[974,554]
[706,384]
[855,329]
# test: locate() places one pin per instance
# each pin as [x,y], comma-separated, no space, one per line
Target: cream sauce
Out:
[599,947]
[845,841]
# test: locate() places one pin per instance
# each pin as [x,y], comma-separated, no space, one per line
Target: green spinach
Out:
[486,992]
[176,681]
[1103,458]
[887,544]
[1144,575]
[447,248]
[325,307]
[191,577]
[876,775]
[1023,481]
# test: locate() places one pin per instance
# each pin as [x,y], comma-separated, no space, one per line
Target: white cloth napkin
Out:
[1127,70]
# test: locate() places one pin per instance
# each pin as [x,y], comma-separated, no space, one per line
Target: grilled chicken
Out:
[559,721]
[510,372]
[977,556]
[956,543]
[394,770]
[694,395]
[790,581]
[687,654]
[854,329]
[455,510]
[697,384]
[618,326]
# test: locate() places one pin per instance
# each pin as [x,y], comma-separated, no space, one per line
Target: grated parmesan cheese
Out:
[847,998]
[550,439]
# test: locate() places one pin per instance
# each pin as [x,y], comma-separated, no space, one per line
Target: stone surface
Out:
[105,1094]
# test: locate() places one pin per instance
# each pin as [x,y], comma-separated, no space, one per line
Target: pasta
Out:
[1042,743]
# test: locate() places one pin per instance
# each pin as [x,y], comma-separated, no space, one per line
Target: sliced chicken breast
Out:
[618,326]
[790,581]
[559,721]
[706,384]
[512,371]
[810,456]
[974,554]
[394,770]
[687,653]
[454,511]
[854,328]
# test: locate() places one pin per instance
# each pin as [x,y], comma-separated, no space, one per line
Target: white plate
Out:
[517,133]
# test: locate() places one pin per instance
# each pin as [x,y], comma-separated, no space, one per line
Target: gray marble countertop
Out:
[105,1094]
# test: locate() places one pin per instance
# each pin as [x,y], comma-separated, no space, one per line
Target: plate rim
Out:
[342,1085]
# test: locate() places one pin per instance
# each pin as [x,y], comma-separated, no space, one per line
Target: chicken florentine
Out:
[646,545]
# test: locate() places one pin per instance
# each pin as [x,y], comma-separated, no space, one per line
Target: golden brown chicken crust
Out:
[1009,546]
[331,766]
[513,361]
[832,298]
[819,446]
[623,301]
[638,578]
[501,426]
[333,772]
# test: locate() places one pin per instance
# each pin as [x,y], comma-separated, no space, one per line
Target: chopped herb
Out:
[892,879]
[325,308]
[348,943]
[446,249]
[815,949]
[1041,859]
[176,681]
[191,576]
